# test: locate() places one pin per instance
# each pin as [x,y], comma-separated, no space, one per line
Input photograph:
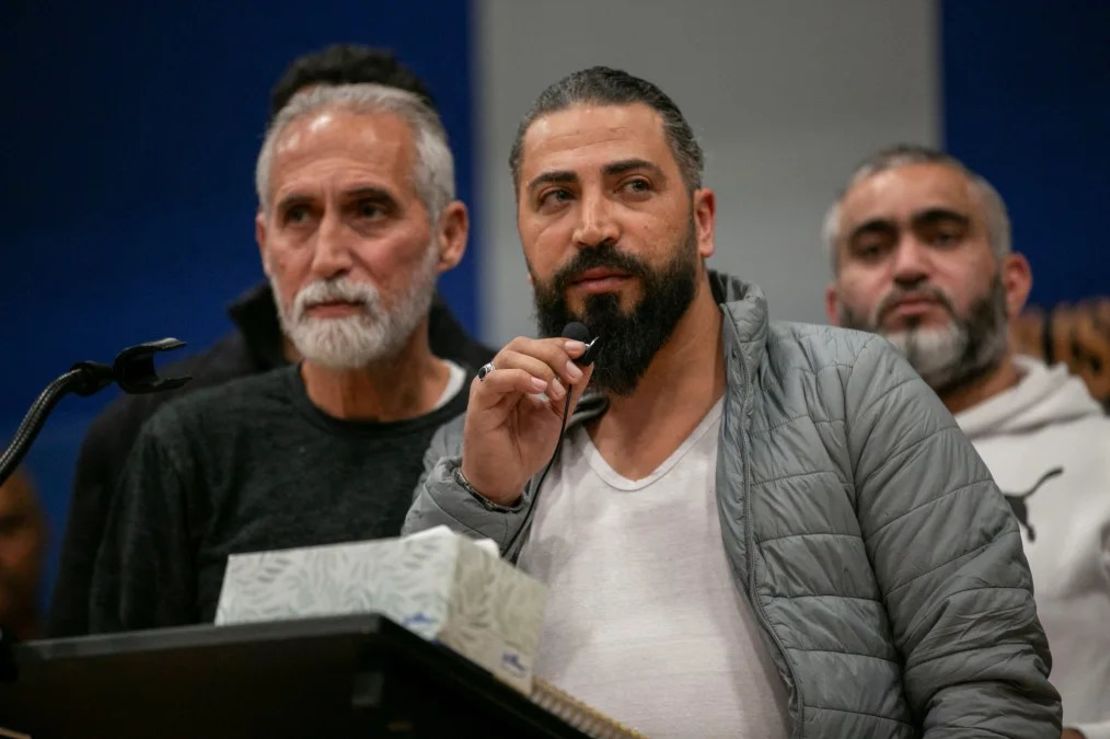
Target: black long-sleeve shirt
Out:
[248,466]
[255,346]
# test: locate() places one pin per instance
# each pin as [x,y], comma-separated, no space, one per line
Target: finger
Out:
[559,405]
[574,348]
[579,388]
[510,359]
[557,353]
[504,384]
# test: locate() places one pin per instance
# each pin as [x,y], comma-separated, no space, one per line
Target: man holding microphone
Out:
[750,510]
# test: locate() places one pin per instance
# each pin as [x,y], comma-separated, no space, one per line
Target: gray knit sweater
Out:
[247,466]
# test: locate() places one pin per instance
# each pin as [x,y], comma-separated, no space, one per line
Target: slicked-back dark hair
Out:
[346,64]
[607,86]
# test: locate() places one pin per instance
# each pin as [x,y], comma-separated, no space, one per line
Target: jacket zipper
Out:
[749,536]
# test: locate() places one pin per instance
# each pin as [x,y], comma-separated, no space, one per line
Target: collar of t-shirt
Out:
[451,403]
[455,379]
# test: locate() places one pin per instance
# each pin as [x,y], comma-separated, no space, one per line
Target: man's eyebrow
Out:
[609,170]
[292,198]
[629,165]
[369,192]
[558,177]
[928,217]
[935,215]
[874,225]
[357,193]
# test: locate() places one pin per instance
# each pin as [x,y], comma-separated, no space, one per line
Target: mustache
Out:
[900,294]
[606,255]
[339,289]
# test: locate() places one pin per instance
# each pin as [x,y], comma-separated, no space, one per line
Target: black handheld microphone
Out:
[577,331]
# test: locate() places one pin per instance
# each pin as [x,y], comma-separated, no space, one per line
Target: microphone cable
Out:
[577,331]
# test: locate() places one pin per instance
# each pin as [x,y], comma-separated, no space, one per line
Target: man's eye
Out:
[296,214]
[868,251]
[945,238]
[636,186]
[369,209]
[554,198]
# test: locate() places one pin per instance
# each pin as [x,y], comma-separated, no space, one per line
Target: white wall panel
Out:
[785,97]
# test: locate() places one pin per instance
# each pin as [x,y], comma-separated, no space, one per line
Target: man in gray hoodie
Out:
[752,528]
[921,253]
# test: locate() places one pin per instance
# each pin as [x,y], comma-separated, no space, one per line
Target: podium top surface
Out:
[338,676]
[207,636]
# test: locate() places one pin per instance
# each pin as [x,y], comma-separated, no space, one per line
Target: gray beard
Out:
[956,355]
[376,335]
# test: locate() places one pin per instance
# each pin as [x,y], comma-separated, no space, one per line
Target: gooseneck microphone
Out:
[133,370]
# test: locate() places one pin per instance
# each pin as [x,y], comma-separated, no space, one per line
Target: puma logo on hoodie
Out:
[1017,501]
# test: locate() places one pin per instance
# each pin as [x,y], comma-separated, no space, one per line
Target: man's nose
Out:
[331,256]
[911,261]
[596,224]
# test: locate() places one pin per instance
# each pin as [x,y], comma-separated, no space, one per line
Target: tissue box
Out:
[441,585]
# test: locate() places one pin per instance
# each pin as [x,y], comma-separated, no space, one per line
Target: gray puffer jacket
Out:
[881,561]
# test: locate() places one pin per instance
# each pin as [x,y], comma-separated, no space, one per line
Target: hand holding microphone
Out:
[515,415]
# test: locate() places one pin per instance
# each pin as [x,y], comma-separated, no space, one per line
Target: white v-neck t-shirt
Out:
[643,620]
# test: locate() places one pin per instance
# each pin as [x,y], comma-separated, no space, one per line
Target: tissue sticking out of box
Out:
[439,584]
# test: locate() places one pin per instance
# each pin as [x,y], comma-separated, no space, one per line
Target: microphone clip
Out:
[579,332]
[592,349]
[133,370]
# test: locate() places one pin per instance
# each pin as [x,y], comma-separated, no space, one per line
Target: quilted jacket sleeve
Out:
[439,500]
[948,560]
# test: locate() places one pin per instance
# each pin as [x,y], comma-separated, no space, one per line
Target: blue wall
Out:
[129,133]
[1027,104]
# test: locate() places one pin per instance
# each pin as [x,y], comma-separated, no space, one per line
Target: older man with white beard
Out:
[921,253]
[357,217]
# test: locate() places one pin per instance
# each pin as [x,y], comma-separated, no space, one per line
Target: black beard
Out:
[983,336]
[629,341]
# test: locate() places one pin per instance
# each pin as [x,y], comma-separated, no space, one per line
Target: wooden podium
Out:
[343,676]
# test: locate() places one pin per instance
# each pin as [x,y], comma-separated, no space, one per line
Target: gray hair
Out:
[998,221]
[605,86]
[434,170]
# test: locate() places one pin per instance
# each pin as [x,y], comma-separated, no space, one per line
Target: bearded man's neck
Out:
[405,385]
[972,391]
[641,430]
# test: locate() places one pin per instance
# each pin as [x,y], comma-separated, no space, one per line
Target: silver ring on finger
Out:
[484,370]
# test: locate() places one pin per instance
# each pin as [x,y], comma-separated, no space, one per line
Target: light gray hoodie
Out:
[1046,422]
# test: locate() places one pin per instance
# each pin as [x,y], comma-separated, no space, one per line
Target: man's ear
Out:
[452,230]
[832,304]
[705,221]
[260,239]
[1017,281]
